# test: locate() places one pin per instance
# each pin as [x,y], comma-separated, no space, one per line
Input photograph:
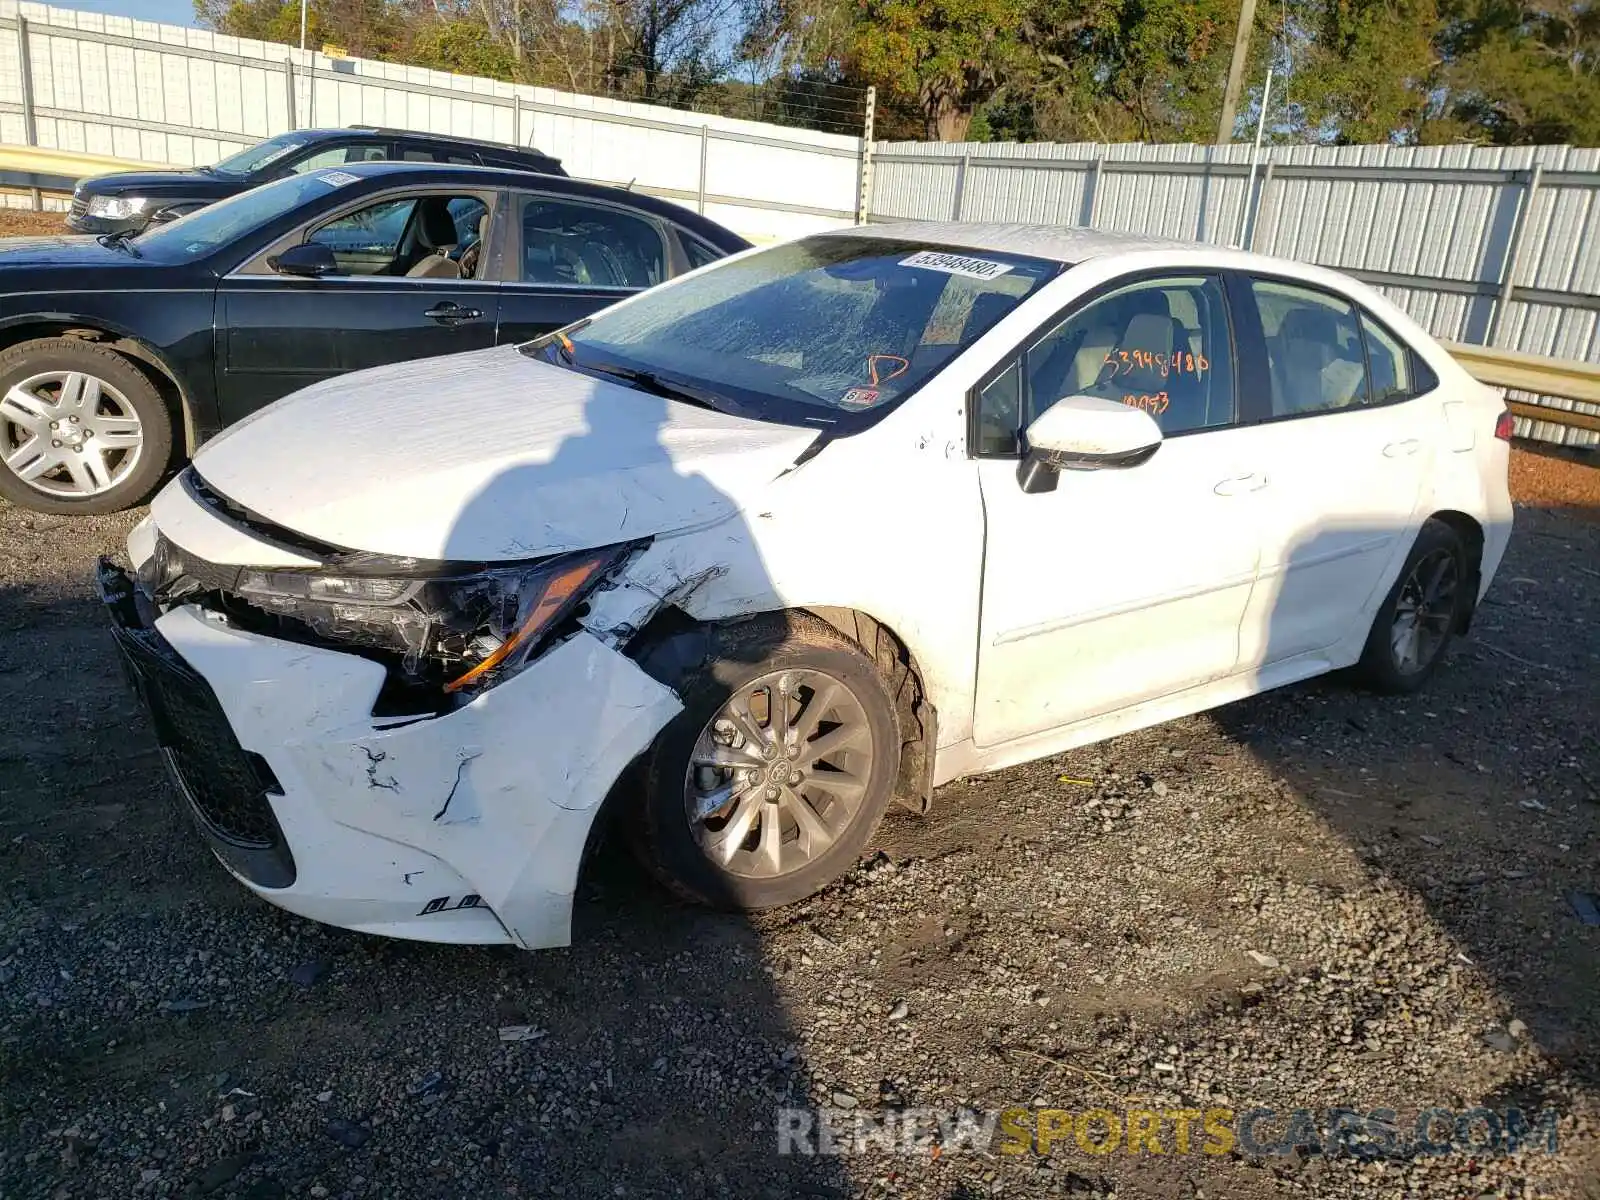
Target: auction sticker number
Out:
[956,264]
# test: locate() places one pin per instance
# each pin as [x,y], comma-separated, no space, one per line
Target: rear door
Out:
[569,256]
[415,281]
[1347,444]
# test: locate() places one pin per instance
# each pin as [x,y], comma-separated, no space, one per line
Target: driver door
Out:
[401,293]
[1120,585]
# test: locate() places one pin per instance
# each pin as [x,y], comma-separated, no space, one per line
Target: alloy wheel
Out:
[69,434]
[1424,611]
[779,773]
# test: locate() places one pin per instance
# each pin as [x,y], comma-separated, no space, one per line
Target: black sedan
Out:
[131,200]
[119,355]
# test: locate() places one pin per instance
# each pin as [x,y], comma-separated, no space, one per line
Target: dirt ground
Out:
[1315,899]
[20,222]
[1553,478]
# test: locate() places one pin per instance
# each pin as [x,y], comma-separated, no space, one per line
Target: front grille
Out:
[79,206]
[226,787]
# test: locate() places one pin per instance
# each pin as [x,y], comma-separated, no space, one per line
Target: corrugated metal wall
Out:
[1444,215]
[167,94]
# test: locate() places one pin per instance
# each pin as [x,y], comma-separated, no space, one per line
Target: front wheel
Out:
[1416,620]
[766,786]
[82,430]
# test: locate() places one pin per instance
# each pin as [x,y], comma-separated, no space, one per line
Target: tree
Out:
[462,45]
[1121,70]
[369,28]
[947,56]
[1523,72]
[1363,70]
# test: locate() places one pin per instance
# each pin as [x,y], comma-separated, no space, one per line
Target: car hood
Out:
[63,250]
[490,456]
[159,183]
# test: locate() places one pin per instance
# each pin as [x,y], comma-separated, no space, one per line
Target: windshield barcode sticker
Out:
[956,264]
[338,178]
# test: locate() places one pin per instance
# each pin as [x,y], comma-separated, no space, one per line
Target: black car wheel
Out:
[1417,618]
[766,786]
[82,429]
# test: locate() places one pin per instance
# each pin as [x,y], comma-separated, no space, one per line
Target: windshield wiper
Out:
[556,341]
[120,241]
[649,381]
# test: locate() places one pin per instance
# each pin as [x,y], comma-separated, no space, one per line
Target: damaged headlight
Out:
[300,585]
[463,630]
[526,611]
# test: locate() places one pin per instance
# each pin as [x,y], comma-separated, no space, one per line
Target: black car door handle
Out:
[450,313]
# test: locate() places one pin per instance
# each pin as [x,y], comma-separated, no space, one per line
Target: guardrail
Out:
[1563,378]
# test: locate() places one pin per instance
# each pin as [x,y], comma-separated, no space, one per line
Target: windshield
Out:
[830,330]
[210,228]
[262,154]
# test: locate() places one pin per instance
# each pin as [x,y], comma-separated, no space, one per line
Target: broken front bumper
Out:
[466,827]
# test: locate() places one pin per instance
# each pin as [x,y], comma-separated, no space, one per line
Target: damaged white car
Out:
[746,557]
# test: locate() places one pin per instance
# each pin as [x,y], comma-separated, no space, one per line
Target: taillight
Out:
[1502,426]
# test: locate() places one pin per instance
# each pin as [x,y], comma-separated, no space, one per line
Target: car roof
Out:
[402,173]
[419,135]
[1059,243]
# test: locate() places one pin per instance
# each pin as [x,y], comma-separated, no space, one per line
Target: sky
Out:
[172,12]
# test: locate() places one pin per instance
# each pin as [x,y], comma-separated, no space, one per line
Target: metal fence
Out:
[1497,247]
[108,85]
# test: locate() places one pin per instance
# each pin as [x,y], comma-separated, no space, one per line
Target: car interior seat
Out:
[436,234]
[1311,368]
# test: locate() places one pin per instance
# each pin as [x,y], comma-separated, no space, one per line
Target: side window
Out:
[699,254]
[373,232]
[1314,349]
[587,245]
[1000,413]
[1387,361]
[471,218]
[428,237]
[1162,345]
[415,153]
[335,156]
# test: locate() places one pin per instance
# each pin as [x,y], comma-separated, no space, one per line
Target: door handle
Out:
[451,313]
[1254,481]
[1401,449]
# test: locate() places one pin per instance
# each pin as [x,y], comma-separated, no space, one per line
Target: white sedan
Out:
[745,557]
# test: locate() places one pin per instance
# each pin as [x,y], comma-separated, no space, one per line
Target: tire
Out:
[36,386]
[1384,665]
[805,651]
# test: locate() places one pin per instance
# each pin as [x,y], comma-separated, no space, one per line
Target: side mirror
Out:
[308,260]
[1085,433]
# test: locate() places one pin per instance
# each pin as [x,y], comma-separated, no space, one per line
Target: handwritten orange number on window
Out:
[1155,404]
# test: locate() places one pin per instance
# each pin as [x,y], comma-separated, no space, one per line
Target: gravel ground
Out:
[21,222]
[1552,477]
[1313,899]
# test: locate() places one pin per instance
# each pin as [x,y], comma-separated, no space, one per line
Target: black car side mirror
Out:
[310,260]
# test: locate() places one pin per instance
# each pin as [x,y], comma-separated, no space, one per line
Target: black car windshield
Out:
[208,229]
[829,330]
[262,154]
